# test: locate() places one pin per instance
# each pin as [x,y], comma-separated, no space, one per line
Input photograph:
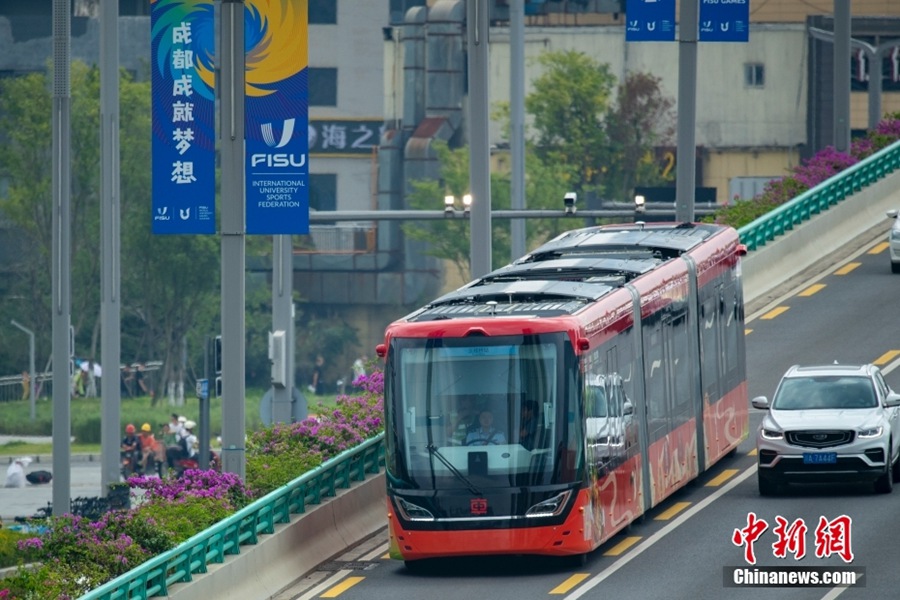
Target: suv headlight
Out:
[871,432]
[895,234]
[772,434]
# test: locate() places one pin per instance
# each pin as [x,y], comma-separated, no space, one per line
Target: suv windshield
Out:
[827,392]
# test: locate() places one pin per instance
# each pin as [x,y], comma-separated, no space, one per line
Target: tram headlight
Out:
[549,507]
[412,512]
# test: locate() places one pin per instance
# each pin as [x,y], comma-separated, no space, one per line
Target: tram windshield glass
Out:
[482,412]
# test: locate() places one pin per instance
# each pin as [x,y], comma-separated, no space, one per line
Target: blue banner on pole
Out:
[650,21]
[183,107]
[724,21]
[277,117]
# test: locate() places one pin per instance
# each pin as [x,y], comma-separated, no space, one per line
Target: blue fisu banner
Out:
[277,117]
[724,21]
[183,107]
[650,21]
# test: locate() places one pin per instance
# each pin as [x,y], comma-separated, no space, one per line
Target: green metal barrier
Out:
[820,198]
[191,557]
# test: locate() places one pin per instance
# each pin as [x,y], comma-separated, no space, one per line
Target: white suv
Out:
[829,423]
[894,241]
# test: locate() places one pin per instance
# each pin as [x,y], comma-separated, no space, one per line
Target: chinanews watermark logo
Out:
[830,538]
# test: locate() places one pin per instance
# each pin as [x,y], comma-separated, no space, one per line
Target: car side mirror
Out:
[760,402]
[893,399]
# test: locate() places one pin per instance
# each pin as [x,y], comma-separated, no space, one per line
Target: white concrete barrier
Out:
[799,249]
[325,530]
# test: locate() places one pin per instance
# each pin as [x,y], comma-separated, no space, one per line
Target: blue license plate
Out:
[819,458]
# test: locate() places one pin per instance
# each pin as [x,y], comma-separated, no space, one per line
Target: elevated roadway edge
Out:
[325,530]
[859,216]
[261,571]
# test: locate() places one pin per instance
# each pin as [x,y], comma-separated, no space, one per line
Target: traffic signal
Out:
[217,355]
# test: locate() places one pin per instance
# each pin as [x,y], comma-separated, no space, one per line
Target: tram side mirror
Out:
[628,408]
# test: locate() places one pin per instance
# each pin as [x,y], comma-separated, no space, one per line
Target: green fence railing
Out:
[815,200]
[154,577]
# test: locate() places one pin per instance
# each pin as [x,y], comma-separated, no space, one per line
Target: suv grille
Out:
[819,439]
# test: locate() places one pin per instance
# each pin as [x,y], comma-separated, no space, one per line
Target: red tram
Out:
[612,363]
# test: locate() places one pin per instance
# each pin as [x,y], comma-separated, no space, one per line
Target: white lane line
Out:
[638,550]
[807,282]
[325,585]
[376,553]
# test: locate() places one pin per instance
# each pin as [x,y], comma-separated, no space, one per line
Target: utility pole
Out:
[233,237]
[479,141]
[62,258]
[517,122]
[110,251]
[842,75]
[687,111]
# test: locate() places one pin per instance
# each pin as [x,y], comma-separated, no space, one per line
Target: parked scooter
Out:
[185,463]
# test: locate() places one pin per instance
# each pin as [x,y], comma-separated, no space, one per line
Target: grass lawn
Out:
[85,415]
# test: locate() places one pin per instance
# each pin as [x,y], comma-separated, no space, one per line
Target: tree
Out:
[25,164]
[170,284]
[569,103]
[642,119]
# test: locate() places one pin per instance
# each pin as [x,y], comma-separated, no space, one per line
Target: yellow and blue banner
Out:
[277,116]
[183,106]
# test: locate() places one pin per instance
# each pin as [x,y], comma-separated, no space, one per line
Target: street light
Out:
[467,202]
[449,201]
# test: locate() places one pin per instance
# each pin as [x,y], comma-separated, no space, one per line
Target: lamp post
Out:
[31,373]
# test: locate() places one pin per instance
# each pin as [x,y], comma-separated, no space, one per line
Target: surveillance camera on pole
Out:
[569,201]
[640,204]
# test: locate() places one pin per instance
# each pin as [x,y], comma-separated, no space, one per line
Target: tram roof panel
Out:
[636,241]
[519,297]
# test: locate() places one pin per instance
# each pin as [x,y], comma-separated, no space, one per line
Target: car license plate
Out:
[819,458]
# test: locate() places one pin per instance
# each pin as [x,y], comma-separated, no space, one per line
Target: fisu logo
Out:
[287,131]
[162,214]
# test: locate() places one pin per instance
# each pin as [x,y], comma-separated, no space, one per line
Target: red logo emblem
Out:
[478,506]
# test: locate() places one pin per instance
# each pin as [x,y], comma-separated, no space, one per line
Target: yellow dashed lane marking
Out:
[775,312]
[672,511]
[887,357]
[847,268]
[748,331]
[812,289]
[879,248]
[342,587]
[622,546]
[721,478]
[569,583]
[752,452]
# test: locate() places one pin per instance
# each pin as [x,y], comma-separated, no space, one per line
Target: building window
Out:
[322,87]
[754,75]
[322,12]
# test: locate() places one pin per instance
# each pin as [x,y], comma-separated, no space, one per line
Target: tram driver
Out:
[486,433]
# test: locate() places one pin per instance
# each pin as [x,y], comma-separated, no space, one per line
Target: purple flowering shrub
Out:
[282,452]
[77,555]
[810,173]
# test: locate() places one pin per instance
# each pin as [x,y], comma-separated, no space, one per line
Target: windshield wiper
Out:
[456,472]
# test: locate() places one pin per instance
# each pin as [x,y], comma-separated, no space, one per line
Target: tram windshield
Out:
[482,412]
